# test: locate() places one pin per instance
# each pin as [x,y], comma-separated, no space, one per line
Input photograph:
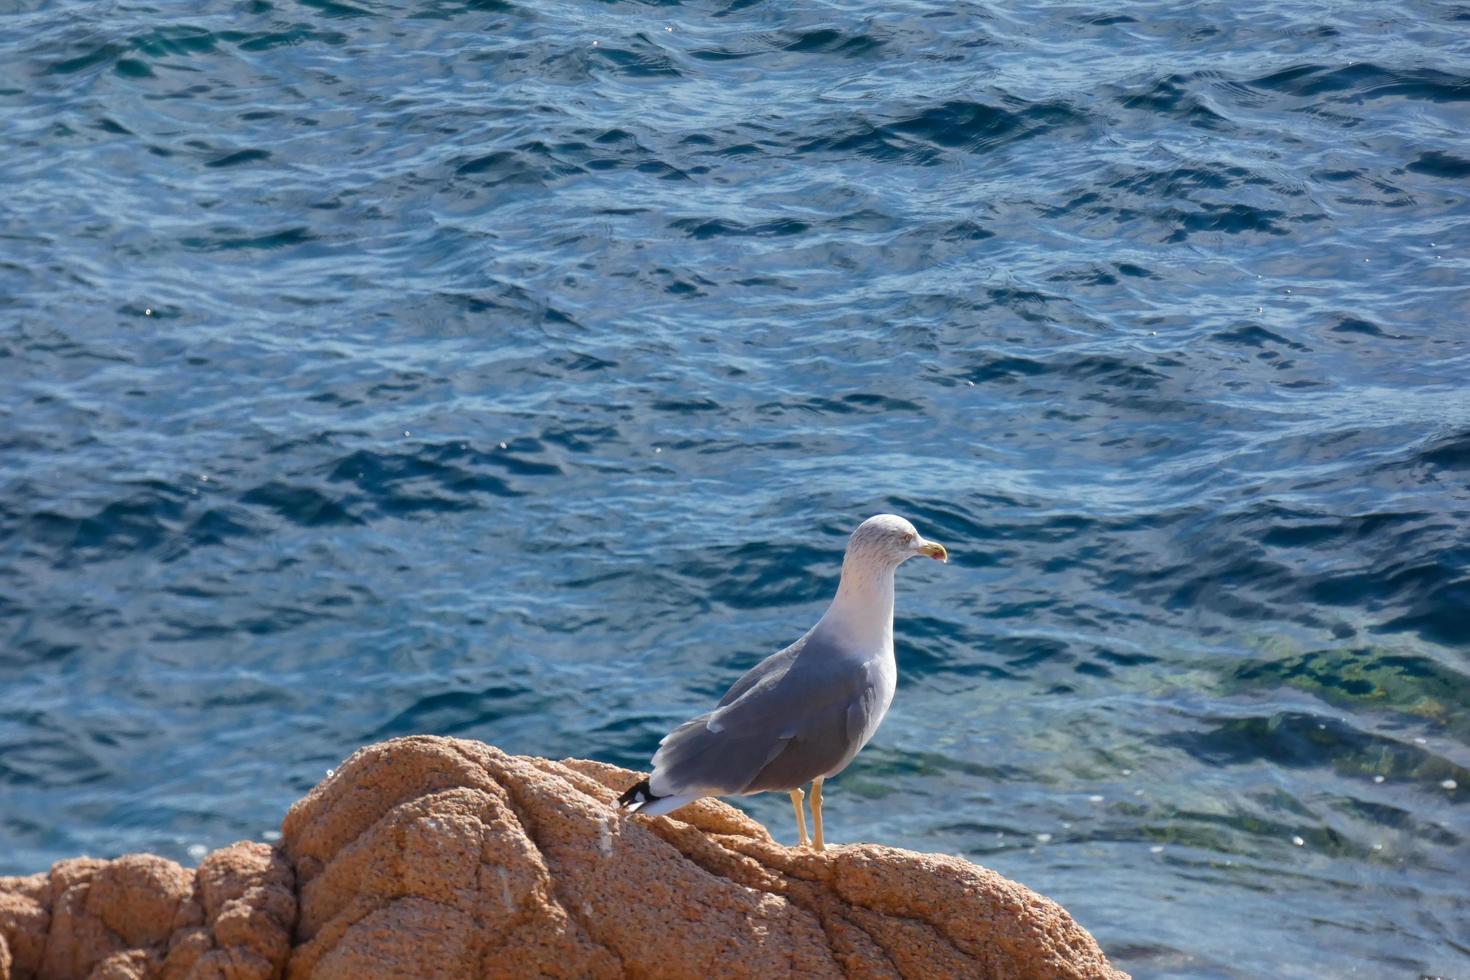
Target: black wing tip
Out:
[637,797]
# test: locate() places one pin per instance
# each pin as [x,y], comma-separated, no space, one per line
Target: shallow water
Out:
[515,371]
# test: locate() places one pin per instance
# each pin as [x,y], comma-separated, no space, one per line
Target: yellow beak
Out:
[934,550]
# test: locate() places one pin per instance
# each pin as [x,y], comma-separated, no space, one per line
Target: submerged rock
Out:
[436,857]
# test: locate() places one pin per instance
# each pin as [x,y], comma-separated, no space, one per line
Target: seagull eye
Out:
[908,538]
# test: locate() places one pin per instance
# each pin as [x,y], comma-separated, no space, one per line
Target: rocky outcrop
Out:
[142,916]
[434,857]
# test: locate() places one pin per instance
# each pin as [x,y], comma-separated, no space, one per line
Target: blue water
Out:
[515,371]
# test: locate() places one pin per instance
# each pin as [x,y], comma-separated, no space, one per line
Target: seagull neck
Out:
[863,608]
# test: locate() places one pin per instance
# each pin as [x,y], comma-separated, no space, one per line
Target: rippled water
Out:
[515,371]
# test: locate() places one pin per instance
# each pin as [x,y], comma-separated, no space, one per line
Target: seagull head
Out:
[889,540]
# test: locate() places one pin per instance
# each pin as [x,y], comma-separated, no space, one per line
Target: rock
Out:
[436,857]
[24,922]
[141,916]
[510,866]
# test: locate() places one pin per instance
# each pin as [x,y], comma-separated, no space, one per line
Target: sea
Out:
[515,371]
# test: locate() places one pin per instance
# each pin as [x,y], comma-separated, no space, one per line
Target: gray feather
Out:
[799,714]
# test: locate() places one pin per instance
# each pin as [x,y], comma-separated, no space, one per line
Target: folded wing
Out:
[797,715]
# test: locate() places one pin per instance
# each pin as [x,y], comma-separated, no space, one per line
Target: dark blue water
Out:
[515,371]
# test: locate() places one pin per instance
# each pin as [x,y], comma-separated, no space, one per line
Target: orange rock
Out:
[25,918]
[435,857]
[142,917]
[429,856]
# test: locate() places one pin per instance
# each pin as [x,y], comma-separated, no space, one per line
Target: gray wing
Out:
[774,665]
[798,714]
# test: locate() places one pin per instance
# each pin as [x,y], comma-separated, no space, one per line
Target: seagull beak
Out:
[934,550]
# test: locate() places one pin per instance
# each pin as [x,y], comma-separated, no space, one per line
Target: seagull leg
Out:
[796,797]
[817,812]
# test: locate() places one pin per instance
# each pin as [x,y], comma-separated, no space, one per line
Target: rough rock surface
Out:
[435,857]
[142,916]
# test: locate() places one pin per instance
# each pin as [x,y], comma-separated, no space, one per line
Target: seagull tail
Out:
[640,799]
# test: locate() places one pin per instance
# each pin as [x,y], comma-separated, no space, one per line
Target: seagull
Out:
[803,713]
